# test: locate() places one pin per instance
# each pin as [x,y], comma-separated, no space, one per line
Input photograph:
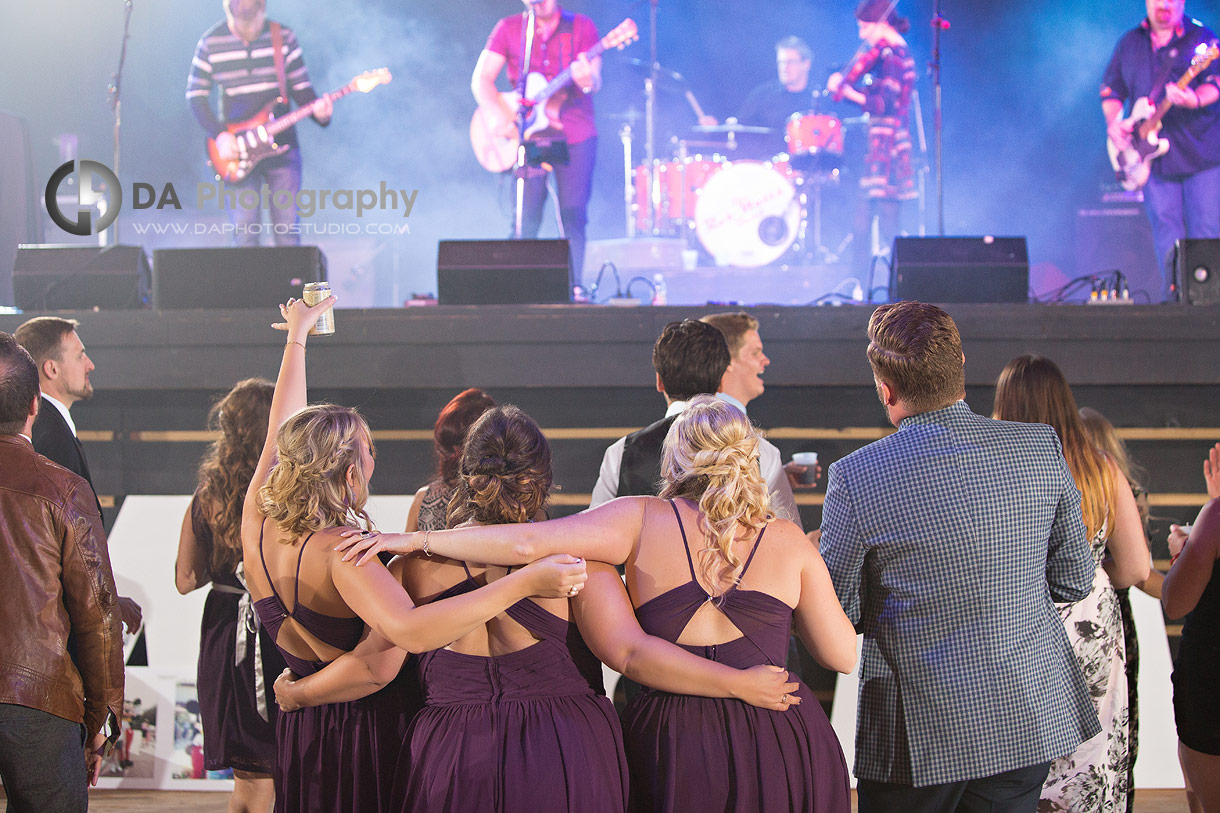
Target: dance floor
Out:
[154,801]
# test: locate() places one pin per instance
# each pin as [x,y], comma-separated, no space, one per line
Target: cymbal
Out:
[732,127]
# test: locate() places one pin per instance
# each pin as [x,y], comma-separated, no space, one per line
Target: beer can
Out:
[312,294]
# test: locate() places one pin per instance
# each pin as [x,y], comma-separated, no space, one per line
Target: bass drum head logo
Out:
[91,176]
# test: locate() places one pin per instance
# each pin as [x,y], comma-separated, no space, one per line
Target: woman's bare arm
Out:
[192,569]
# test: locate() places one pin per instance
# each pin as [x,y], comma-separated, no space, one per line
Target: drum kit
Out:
[743,213]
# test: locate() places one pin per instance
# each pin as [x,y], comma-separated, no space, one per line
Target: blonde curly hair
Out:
[711,457]
[307,489]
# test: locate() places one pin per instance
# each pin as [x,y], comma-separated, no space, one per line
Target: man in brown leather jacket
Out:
[56,698]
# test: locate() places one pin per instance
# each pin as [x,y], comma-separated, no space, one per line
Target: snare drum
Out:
[747,214]
[677,187]
[812,133]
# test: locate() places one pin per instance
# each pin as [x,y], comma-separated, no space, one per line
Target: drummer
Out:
[771,103]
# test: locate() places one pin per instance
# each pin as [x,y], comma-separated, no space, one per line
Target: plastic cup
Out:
[810,461]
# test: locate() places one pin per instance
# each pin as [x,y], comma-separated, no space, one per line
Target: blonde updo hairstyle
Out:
[711,457]
[307,489]
[504,471]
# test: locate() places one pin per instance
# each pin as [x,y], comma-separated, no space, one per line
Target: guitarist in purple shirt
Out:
[1182,192]
[561,39]
[236,56]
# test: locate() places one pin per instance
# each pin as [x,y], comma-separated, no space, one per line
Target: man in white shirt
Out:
[690,358]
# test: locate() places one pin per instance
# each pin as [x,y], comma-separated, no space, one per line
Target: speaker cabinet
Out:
[49,277]
[257,277]
[502,272]
[1196,267]
[1118,238]
[960,269]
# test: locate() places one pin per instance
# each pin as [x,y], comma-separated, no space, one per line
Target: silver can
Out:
[312,294]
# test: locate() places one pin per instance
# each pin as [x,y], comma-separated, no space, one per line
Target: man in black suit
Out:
[63,378]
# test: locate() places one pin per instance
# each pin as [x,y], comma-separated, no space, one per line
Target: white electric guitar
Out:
[498,152]
[1133,162]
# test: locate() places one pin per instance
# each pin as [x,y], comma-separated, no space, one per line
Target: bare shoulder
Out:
[787,535]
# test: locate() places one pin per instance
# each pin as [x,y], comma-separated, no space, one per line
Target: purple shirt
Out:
[575,34]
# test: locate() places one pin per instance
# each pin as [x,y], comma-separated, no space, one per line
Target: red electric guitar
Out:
[256,135]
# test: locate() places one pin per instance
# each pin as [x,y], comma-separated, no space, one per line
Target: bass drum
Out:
[747,214]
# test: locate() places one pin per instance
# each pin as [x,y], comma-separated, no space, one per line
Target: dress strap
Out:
[753,551]
[469,575]
[685,545]
[296,582]
[267,572]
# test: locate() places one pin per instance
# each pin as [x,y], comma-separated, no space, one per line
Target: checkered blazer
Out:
[948,543]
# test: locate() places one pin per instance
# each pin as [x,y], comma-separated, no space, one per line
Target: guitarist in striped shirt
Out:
[237,58]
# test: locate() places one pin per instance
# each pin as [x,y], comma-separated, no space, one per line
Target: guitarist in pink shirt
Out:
[1165,69]
[567,142]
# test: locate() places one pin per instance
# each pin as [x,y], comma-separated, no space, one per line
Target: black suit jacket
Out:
[53,439]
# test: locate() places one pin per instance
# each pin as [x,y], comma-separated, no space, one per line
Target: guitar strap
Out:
[277,54]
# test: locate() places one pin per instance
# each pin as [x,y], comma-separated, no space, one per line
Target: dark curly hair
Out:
[226,469]
[505,470]
[454,420]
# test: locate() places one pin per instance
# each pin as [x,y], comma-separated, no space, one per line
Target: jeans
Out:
[1015,791]
[280,173]
[1186,206]
[42,761]
[575,185]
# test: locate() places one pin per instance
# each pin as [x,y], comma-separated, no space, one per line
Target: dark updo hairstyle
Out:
[452,424]
[504,471]
[873,11]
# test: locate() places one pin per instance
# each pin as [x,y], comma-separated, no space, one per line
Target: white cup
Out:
[810,461]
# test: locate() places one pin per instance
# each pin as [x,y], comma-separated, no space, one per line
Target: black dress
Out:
[238,719]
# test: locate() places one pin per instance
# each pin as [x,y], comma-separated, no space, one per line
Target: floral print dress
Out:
[1094,777]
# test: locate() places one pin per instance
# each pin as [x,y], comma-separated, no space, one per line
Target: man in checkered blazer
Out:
[948,543]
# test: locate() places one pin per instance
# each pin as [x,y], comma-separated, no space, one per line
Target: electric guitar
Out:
[1133,162]
[256,135]
[498,152]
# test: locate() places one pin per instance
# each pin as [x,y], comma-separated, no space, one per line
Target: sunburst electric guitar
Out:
[256,135]
[1133,162]
[498,152]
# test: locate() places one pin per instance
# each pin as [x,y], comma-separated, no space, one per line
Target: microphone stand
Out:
[939,24]
[113,95]
[650,118]
[524,108]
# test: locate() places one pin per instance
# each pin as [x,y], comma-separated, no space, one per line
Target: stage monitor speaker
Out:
[49,277]
[1196,267]
[960,269]
[258,277]
[502,272]
[1118,238]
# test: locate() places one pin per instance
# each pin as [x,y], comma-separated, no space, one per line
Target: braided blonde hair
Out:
[711,457]
[307,489]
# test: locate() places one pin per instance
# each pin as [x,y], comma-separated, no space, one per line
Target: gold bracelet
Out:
[424,547]
[294,341]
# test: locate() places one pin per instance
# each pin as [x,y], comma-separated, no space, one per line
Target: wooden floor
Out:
[148,801]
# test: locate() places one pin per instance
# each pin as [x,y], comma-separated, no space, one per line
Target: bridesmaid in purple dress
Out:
[712,570]
[237,661]
[311,483]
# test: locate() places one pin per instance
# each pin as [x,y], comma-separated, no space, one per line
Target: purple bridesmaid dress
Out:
[699,753]
[530,731]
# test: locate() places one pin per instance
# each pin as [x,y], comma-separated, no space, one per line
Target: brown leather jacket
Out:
[55,580]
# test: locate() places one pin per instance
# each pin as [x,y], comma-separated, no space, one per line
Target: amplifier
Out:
[960,269]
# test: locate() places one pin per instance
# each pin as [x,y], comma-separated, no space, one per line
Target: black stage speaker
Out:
[195,278]
[502,272]
[960,269]
[73,277]
[1196,267]
[1118,238]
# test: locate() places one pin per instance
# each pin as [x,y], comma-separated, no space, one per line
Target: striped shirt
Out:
[245,76]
